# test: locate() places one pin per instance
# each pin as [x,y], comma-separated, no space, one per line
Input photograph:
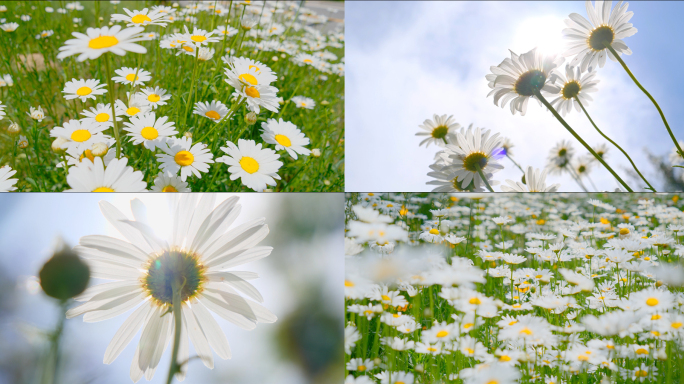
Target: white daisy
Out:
[79,134]
[148,272]
[285,135]
[306,59]
[141,18]
[154,97]
[9,27]
[99,147]
[168,182]
[215,110]
[200,37]
[446,180]
[101,40]
[225,30]
[256,167]
[533,182]
[574,84]
[588,38]
[2,110]
[94,177]
[260,96]
[136,104]
[128,76]
[518,78]
[7,184]
[474,150]
[180,154]
[83,89]
[101,114]
[437,130]
[243,72]
[304,102]
[145,128]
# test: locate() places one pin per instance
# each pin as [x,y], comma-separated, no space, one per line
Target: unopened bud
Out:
[23,142]
[316,152]
[57,145]
[251,118]
[188,135]
[13,128]
[99,149]
[65,275]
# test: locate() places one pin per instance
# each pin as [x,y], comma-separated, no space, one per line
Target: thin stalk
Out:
[662,116]
[192,88]
[615,144]
[573,133]
[514,162]
[484,179]
[175,367]
[52,365]
[112,100]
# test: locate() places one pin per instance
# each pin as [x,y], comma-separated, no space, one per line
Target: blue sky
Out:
[29,224]
[409,60]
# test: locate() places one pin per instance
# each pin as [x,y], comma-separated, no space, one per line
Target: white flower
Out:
[101,114]
[141,18]
[97,41]
[304,102]
[285,135]
[80,134]
[83,89]
[7,184]
[116,177]
[534,182]
[154,97]
[128,76]
[215,110]
[36,113]
[255,167]
[180,154]
[147,129]
[168,182]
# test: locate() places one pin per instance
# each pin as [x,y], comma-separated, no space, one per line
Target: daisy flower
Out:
[6,81]
[285,135]
[200,37]
[226,30]
[533,182]
[518,78]
[154,97]
[145,128]
[437,130]
[474,151]
[215,110]
[243,72]
[2,110]
[180,154]
[652,300]
[97,41]
[128,76]
[305,59]
[136,104]
[145,274]
[35,113]
[303,102]
[560,155]
[100,149]
[83,89]
[116,177]
[168,182]
[79,134]
[45,34]
[588,38]
[574,84]
[256,97]
[446,180]
[101,114]
[141,18]
[9,27]
[255,167]
[7,184]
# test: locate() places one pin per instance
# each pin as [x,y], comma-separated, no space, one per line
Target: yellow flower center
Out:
[153,97]
[87,153]
[656,317]
[442,334]
[385,298]
[362,368]
[640,373]
[198,38]
[470,351]
[434,231]
[132,111]
[652,302]
[468,325]
[641,351]
[676,324]
[526,331]
[493,382]
[169,188]
[80,135]
[249,164]
[248,78]
[132,77]
[308,61]
[150,133]
[513,322]
[582,358]
[252,92]
[103,42]
[184,158]
[188,48]
[212,115]
[255,67]
[348,283]
[83,91]
[504,358]
[283,140]
[624,231]
[139,19]
[475,301]
[103,189]
[432,349]
[101,117]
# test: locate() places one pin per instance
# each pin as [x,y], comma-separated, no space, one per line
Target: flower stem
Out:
[662,116]
[514,162]
[615,144]
[111,100]
[192,87]
[175,367]
[52,365]
[573,133]
[484,179]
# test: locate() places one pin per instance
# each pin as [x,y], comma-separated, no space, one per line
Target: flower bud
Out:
[99,149]
[188,135]
[23,142]
[251,118]
[37,113]
[65,275]
[316,152]
[57,145]
[13,128]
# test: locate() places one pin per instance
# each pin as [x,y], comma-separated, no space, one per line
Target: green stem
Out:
[192,87]
[573,133]
[52,365]
[514,162]
[615,144]
[484,179]
[111,100]
[662,116]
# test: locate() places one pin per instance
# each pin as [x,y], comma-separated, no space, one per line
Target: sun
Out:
[543,32]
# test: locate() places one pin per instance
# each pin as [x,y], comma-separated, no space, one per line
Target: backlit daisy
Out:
[154,97]
[83,89]
[518,78]
[128,76]
[243,72]
[257,97]
[116,177]
[303,102]
[474,151]
[256,167]
[534,182]
[574,84]
[437,130]
[97,41]
[168,182]
[588,38]
[145,128]
[79,134]
[141,18]
[285,135]
[215,110]
[180,154]
[7,184]
[101,114]
[189,268]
